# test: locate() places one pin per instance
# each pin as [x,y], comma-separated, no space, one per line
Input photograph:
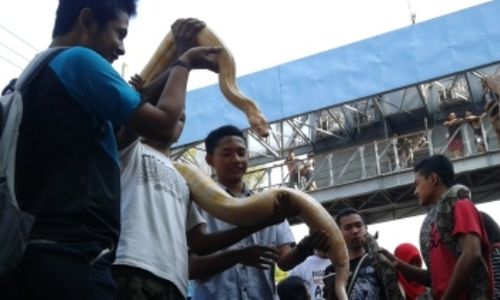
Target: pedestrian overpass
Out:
[369,111]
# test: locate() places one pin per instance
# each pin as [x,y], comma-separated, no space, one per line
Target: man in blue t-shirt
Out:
[67,171]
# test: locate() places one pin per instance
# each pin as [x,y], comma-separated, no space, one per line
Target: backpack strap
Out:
[12,110]
[494,265]
[355,274]
[35,67]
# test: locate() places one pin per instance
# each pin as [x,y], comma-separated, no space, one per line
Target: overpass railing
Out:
[382,157]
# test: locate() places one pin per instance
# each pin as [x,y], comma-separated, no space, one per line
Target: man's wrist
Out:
[181,63]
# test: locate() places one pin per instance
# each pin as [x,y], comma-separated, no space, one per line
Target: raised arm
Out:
[165,95]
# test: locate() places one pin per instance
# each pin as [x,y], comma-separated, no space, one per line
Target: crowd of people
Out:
[455,241]
[114,219]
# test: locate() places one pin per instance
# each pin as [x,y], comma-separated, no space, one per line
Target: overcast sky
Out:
[260,33]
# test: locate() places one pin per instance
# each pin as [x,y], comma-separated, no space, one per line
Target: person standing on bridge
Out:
[475,123]
[293,164]
[492,107]
[455,143]
[452,236]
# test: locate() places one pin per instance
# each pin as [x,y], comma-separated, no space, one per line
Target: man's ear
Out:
[85,20]
[209,160]
[435,179]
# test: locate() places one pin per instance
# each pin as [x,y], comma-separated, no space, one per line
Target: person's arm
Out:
[254,256]
[414,273]
[149,93]
[289,257]
[468,230]
[158,122]
[410,272]
[202,243]
[185,32]
[472,118]
[157,119]
[163,111]
[457,121]
[466,263]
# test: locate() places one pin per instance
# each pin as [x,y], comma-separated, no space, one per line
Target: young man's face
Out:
[230,159]
[107,40]
[424,189]
[354,230]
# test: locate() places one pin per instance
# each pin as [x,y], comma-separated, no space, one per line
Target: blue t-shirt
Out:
[67,171]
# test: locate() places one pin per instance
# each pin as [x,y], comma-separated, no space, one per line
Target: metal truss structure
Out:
[360,161]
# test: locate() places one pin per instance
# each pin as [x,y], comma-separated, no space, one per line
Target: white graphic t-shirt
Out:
[155,215]
[312,270]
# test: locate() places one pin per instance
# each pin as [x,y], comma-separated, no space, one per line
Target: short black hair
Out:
[217,134]
[102,10]
[347,212]
[438,164]
[293,288]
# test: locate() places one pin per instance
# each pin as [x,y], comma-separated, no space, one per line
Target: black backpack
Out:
[493,232]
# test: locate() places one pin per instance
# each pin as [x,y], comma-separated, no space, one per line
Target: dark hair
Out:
[9,88]
[102,10]
[216,135]
[438,164]
[347,212]
[293,288]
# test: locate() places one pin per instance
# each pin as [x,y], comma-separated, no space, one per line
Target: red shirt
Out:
[443,261]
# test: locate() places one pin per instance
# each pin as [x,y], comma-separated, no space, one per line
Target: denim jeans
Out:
[60,271]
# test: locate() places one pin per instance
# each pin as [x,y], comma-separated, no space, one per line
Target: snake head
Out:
[259,124]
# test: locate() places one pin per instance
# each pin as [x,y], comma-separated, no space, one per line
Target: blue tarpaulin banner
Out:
[418,53]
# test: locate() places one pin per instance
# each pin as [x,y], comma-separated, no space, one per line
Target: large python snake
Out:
[208,195]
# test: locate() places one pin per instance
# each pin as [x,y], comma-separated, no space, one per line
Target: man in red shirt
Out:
[452,237]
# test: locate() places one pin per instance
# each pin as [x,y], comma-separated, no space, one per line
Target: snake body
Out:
[166,53]
[206,193]
[251,210]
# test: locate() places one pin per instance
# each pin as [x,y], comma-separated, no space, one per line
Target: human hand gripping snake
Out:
[250,210]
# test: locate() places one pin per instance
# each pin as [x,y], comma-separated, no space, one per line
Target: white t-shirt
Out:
[312,270]
[155,215]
